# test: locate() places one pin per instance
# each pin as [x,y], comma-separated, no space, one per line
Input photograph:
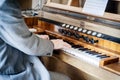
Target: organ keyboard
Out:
[89,56]
[95,39]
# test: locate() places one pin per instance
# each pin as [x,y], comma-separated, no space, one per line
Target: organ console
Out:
[95,39]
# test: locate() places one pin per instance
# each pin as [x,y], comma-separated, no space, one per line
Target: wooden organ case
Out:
[95,39]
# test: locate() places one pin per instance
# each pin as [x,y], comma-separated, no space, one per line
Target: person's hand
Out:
[43,36]
[60,44]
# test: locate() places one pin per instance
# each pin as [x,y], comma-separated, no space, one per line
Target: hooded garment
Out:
[19,47]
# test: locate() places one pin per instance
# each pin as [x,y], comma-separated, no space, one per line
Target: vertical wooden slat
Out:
[69,2]
[75,3]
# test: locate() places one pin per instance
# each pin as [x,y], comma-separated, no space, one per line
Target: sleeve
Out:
[14,32]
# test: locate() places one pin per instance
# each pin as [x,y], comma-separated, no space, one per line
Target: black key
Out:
[103,56]
[94,53]
[83,49]
[77,46]
[91,52]
[52,37]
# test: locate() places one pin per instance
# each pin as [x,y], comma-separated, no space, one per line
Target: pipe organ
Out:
[95,39]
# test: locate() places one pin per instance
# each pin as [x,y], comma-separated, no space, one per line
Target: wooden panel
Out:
[115,67]
[115,17]
[31,4]
[31,21]
[106,44]
[113,46]
[118,47]
[45,26]
[60,1]
[25,4]
[53,64]
[75,3]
